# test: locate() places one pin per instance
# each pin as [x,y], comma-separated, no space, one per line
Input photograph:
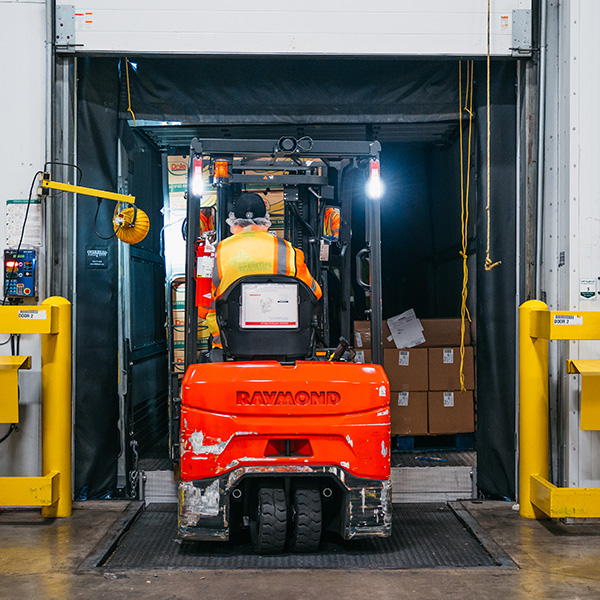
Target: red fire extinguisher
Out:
[205,260]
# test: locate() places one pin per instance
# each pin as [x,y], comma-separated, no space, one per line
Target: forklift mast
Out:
[314,175]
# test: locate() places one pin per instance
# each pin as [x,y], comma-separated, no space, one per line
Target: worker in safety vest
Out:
[251,250]
[207,219]
[331,223]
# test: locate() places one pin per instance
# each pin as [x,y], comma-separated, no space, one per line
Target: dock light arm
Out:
[130,224]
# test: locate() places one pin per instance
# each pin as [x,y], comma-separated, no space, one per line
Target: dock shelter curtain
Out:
[291,91]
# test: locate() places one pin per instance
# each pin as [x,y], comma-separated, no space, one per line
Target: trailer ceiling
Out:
[176,138]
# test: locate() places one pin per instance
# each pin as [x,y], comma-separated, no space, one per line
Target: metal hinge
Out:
[64,38]
[521,33]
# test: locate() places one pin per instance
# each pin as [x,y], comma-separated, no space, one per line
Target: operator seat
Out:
[262,317]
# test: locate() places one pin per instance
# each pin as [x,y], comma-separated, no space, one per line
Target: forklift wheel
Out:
[269,528]
[306,520]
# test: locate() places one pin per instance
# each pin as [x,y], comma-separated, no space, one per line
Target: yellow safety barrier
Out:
[538,498]
[53,490]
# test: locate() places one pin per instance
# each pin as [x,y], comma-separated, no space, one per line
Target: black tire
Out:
[307,520]
[269,529]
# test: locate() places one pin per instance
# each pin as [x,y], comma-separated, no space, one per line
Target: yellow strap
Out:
[489,265]
[464,200]
[129,109]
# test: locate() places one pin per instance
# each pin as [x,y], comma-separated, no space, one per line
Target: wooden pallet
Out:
[424,443]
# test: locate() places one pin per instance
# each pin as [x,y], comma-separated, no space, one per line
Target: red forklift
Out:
[285,435]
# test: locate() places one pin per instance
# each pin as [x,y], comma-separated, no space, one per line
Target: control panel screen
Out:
[19,273]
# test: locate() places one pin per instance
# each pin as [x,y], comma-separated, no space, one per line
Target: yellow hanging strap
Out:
[489,265]
[129,109]
[465,181]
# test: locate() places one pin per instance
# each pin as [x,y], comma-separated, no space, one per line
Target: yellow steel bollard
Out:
[533,408]
[56,406]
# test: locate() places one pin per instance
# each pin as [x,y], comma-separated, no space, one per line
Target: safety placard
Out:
[568,320]
[269,305]
[587,288]
[32,314]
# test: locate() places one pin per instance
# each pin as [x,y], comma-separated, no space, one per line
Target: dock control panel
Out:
[19,273]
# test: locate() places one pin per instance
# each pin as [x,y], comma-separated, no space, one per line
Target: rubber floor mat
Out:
[424,536]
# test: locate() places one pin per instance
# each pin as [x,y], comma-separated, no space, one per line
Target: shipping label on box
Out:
[363,356]
[406,329]
[403,398]
[403,358]
[448,399]
[448,356]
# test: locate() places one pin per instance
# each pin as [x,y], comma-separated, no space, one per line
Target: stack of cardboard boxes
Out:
[425,396]
[178,320]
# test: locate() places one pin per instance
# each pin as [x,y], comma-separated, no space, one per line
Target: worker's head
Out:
[249,211]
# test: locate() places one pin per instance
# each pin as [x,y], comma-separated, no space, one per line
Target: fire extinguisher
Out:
[205,260]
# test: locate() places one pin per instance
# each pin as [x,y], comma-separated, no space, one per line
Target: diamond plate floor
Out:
[424,536]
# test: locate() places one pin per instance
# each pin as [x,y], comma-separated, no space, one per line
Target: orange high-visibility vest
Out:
[331,223]
[207,223]
[254,253]
[258,253]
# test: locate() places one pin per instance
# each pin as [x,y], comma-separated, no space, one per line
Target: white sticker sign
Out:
[403,398]
[403,358]
[39,315]
[269,305]
[448,358]
[568,320]
[587,288]
[448,399]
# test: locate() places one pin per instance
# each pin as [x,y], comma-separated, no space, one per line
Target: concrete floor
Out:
[40,558]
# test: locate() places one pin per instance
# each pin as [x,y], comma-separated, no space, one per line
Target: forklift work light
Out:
[374,186]
[197,177]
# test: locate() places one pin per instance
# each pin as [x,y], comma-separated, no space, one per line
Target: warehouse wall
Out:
[22,106]
[571,217]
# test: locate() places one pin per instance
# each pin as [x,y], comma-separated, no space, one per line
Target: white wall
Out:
[22,151]
[572,211]
[342,27]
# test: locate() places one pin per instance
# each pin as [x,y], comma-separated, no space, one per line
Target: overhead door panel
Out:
[351,27]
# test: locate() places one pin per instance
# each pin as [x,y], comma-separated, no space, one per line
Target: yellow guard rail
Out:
[52,491]
[538,498]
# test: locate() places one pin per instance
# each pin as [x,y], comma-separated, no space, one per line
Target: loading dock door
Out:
[380,98]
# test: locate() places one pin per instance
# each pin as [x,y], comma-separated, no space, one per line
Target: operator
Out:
[251,250]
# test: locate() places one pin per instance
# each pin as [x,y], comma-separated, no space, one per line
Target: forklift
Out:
[285,436]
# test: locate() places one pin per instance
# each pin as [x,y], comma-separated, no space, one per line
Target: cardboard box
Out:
[408,413]
[450,412]
[362,335]
[444,332]
[406,369]
[444,368]
[362,356]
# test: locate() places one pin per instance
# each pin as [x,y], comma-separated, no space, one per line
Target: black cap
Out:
[250,206]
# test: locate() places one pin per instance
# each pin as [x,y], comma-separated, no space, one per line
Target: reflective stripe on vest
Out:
[252,253]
